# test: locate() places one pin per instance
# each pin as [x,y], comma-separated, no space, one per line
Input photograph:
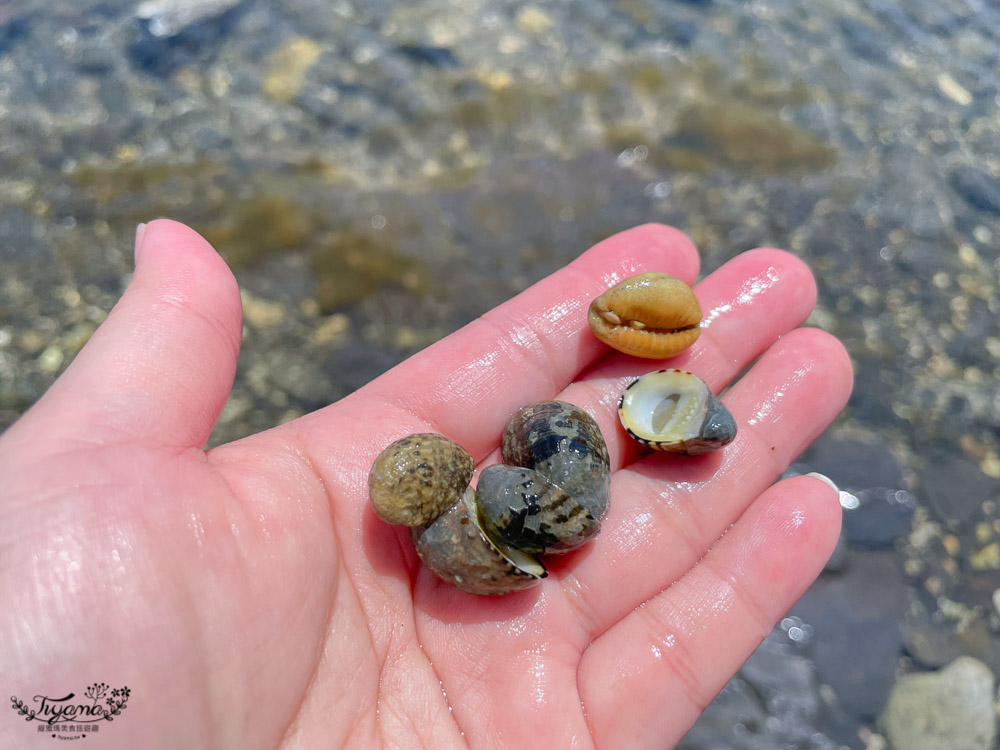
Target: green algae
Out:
[256,228]
[270,213]
[692,118]
[742,136]
[350,265]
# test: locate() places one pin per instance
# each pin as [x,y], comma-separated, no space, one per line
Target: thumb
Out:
[160,368]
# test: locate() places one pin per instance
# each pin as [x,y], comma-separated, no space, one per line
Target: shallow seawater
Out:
[380,173]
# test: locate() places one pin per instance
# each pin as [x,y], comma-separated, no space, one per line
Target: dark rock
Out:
[169,18]
[867,42]
[356,365]
[944,23]
[736,712]
[208,139]
[318,107]
[921,257]
[683,33]
[840,557]
[159,53]
[795,211]
[115,98]
[954,487]
[13,32]
[856,640]
[20,237]
[774,701]
[882,517]
[438,57]
[898,21]
[853,465]
[96,59]
[979,189]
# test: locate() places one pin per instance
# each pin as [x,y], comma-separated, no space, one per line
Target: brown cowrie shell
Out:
[652,315]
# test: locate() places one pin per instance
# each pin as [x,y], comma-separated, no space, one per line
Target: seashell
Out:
[548,496]
[652,315]
[456,549]
[674,410]
[418,478]
[552,490]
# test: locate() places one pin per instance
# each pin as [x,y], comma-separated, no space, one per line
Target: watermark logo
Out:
[68,718]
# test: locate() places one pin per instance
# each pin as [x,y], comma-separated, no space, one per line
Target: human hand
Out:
[250,598]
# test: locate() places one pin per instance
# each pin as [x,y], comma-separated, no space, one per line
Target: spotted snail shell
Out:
[548,496]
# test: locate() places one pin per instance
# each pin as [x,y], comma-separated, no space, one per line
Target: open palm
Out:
[250,598]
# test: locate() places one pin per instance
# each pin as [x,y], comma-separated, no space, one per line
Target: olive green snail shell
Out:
[676,411]
[548,496]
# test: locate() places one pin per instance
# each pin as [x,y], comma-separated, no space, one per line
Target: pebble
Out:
[955,488]
[437,57]
[261,313]
[864,40]
[987,558]
[285,69]
[951,709]
[533,20]
[979,189]
[954,90]
[167,18]
[50,359]
[855,617]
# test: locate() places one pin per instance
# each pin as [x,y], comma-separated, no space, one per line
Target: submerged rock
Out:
[979,189]
[947,710]
[166,18]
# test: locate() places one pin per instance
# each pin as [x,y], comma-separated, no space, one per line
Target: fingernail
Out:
[140,232]
[825,480]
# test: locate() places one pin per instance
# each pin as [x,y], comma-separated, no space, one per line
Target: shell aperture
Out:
[456,549]
[674,410]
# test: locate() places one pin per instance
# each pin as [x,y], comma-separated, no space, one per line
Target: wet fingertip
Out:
[826,506]
[669,240]
[140,233]
[654,247]
[825,480]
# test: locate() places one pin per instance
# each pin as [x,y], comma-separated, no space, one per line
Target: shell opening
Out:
[664,411]
[521,560]
[660,413]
